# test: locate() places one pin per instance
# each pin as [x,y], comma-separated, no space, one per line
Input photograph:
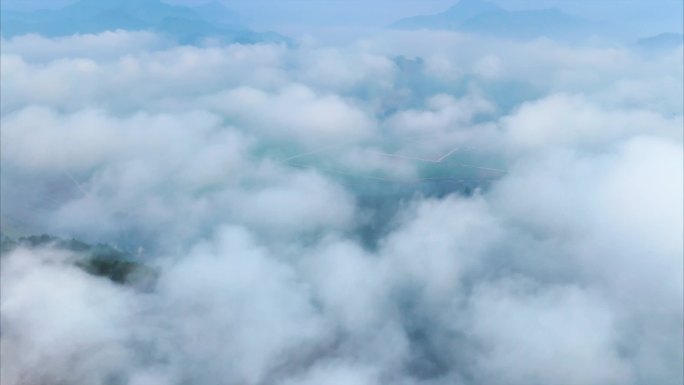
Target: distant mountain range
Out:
[184,24]
[483,17]
[663,41]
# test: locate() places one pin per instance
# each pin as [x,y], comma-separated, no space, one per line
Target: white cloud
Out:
[567,120]
[295,113]
[310,222]
[60,323]
[543,335]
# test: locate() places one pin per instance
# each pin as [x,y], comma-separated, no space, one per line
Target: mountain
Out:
[483,17]
[184,24]
[99,260]
[533,23]
[451,18]
[661,42]
[219,14]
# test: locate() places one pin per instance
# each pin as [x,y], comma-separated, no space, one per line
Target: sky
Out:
[293,15]
[408,208]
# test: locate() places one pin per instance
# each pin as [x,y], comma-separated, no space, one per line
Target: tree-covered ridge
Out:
[100,260]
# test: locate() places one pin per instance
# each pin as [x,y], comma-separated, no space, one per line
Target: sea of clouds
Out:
[279,191]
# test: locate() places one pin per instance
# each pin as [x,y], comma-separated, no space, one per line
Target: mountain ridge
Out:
[488,18]
[662,41]
[184,24]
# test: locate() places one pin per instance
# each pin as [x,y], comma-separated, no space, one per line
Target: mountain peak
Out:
[484,17]
[465,9]
[457,14]
[473,7]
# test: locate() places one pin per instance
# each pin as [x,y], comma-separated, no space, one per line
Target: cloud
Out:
[60,324]
[255,338]
[295,112]
[107,45]
[564,119]
[413,208]
[518,327]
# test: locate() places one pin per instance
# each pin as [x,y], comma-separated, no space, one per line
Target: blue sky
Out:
[664,14]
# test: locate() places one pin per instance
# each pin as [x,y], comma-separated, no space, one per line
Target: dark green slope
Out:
[100,260]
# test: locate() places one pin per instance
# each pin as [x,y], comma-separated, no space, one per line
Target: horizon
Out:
[640,17]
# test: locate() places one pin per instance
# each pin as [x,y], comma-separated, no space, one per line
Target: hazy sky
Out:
[656,14]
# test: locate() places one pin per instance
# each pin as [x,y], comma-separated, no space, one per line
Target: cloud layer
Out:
[412,208]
